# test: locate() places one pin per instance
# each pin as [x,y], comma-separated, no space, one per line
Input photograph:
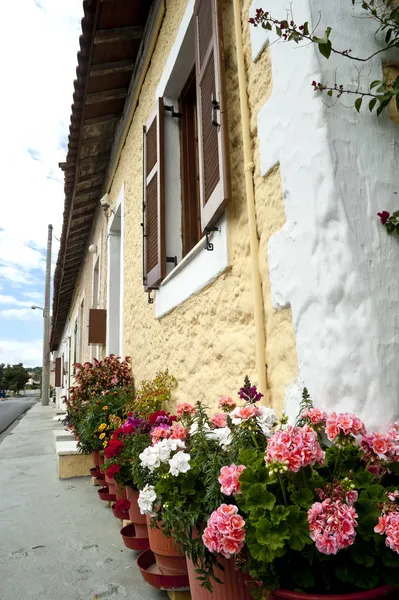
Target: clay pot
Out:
[96,459]
[111,483]
[139,520]
[384,593]
[233,588]
[120,491]
[168,557]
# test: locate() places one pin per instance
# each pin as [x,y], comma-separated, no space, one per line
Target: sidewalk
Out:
[58,541]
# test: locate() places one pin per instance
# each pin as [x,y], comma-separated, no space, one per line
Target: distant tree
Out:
[2,384]
[15,377]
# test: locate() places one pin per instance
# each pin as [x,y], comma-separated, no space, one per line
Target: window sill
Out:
[194,272]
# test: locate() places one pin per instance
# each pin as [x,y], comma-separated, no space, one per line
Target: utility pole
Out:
[46,324]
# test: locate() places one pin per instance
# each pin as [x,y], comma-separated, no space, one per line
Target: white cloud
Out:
[33,142]
[13,352]
[17,314]
[11,301]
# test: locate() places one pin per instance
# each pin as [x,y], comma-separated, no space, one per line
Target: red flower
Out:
[112,471]
[155,415]
[113,449]
[117,433]
[122,505]
[384,216]
[127,429]
[129,414]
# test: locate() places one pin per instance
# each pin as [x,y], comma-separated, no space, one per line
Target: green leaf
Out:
[329,93]
[258,496]
[343,573]
[397,101]
[394,467]
[272,536]
[358,104]
[306,28]
[372,103]
[302,497]
[268,26]
[377,493]
[299,528]
[374,83]
[363,479]
[278,31]
[278,514]
[325,49]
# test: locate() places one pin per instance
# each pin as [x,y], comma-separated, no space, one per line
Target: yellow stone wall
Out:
[84,289]
[207,343]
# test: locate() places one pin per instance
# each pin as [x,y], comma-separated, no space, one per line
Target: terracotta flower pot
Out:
[384,593]
[111,483]
[234,585]
[169,559]
[120,491]
[96,459]
[139,520]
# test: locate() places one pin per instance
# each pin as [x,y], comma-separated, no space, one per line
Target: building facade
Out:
[237,231]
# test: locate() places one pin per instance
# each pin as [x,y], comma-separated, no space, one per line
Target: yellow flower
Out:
[105,407]
[105,444]
[102,427]
[102,435]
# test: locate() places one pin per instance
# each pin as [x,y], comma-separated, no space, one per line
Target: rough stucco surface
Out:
[280,335]
[332,261]
[84,287]
[208,341]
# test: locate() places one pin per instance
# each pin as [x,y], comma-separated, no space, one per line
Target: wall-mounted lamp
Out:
[93,249]
[34,307]
[105,206]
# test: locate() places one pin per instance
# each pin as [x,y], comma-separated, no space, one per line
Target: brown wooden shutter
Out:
[212,111]
[58,372]
[97,326]
[154,199]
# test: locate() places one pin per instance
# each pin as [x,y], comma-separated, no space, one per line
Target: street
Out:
[12,408]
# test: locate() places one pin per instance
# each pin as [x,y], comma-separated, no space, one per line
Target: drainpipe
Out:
[260,339]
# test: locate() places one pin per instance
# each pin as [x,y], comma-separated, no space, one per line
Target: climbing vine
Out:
[386,15]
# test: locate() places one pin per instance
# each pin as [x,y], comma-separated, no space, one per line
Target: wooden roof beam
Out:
[100,120]
[88,178]
[101,157]
[107,68]
[119,34]
[93,190]
[106,96]
[95,140]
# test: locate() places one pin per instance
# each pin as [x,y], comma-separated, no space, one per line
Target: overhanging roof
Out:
[110,44]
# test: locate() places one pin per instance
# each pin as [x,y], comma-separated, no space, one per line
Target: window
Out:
[185,162]
[190,195]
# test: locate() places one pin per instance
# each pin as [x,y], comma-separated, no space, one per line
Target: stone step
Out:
[70,461]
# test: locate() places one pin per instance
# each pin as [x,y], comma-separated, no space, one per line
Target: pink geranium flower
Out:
[243,413]
[388,524]
[160,433]
[185,409]
[225,533]
[219,420]
[178,432]
[332,525]
[227,404]
[229,479]
[296,447]
[315,415]
[344,425]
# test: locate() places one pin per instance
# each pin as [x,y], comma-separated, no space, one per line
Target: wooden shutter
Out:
[154,199]
[212,111]
[58,372]
[97,326]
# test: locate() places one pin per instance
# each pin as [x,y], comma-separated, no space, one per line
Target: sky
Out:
[38,67]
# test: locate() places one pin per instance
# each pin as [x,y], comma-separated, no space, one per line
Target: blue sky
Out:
[34,121]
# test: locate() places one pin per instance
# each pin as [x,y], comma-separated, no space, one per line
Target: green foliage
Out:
[154,394]
[13,377]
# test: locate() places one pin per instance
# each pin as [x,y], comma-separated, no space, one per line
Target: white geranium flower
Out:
[267,419]
[235,419]
[149,458]
[223,434]
[147,497]
[176,444]
[180,463]
[163,450]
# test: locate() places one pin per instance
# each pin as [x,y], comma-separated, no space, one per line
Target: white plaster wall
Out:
[332,261]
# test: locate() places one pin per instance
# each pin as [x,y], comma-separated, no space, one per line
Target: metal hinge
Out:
[208,230]
[171,109]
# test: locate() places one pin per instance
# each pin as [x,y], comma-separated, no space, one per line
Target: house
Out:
[220,218]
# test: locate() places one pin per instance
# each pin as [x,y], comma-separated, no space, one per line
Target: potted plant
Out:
[317,513]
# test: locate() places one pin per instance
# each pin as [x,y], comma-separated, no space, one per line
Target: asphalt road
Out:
[11,409]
